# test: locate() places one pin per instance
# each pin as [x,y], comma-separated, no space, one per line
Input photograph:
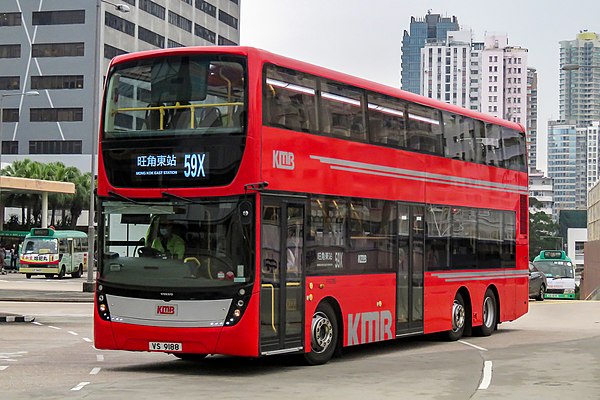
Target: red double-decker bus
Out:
[251,204]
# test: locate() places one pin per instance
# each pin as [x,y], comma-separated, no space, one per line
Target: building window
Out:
[55,114]
[10,51]
[206,7]
[10,82]
[180,22]
[57,82]
[234,1]
[57,50]
[10,115]
[111,52]
[188,2]
[152,8]
[10,147]
[228,19]
[204,33]
[132,2]
[58,17]
[119,24]
[151,37]
[10,19]
[226,42]
[172,43]
[55,147]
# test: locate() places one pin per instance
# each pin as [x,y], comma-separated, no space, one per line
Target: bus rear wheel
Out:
[323,335]
[78,273]
[28,276]
[459,318]
[490,316]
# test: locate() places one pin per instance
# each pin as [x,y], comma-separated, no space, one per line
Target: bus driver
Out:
[169,242]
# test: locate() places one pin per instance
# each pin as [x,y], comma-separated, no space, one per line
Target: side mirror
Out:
[141,242]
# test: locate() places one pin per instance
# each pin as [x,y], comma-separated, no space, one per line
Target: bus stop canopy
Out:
[26,185]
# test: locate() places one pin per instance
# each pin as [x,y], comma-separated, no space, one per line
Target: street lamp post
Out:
[88,286]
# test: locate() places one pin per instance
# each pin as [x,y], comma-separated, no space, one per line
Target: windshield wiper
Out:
[174,196]
[121,197]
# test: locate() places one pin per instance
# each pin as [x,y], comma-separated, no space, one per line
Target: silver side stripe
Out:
[401,173]
[480,276]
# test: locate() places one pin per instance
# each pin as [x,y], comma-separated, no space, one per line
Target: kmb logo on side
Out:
[166,310]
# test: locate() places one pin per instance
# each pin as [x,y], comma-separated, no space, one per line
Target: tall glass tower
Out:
[432,26]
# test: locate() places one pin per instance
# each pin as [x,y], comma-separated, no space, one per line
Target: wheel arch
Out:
[337,309]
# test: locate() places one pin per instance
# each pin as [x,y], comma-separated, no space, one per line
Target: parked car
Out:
[537,283]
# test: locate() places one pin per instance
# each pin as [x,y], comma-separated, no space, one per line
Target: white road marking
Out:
[54,327]
[87,340]
[472,345]
[37,323]
[487,376]
[99,357]
[95,371]
[3,367]
[80,386]
[73,333]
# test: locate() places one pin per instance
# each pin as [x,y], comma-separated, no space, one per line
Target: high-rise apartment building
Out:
[61,49]
[579,99]
[532,118]
[445,68]
[541,188]
[432,26]
[592,133]
[567,165]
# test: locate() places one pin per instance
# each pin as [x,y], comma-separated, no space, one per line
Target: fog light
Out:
[240,303]
[237,313]
[102,307]
[101,297]
[242,292]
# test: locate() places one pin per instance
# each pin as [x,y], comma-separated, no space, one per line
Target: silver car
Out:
[537,283]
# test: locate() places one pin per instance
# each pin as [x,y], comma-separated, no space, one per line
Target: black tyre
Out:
[489,314]
[78,273]
[190,356]
[61,274]
[48,276]
[28,276]
[541,294]
[323,334]
[459,319]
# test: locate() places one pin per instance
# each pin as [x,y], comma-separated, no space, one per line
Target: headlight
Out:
[569,291]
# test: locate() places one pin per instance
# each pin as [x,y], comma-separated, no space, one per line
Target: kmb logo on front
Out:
[283,159]
[166,310]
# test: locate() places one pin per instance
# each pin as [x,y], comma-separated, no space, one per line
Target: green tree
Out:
[31,205]
[543,232]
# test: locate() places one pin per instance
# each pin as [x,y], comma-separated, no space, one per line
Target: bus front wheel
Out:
[61,273]
[28,276]
[323,335]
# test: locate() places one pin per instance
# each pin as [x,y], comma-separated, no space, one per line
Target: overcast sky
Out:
[364,37]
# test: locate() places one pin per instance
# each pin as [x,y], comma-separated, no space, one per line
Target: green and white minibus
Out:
[50,252]
[560,273]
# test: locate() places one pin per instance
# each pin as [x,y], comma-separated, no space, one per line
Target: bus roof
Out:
[552,255]
[49,232]
[268,57]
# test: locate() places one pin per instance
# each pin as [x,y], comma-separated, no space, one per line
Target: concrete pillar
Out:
[44,209]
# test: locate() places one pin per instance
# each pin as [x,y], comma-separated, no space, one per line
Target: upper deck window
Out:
[176,95]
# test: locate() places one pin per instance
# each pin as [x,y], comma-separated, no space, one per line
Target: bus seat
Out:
[210,118]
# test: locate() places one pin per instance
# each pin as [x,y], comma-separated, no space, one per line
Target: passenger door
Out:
[282,267]
[409,303]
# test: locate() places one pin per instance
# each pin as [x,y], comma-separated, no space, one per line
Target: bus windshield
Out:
[556,269]
[175,95]
[40,246]
[176,245]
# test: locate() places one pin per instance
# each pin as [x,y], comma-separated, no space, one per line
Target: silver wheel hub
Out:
[488,312]
[321,332]
[458,316]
